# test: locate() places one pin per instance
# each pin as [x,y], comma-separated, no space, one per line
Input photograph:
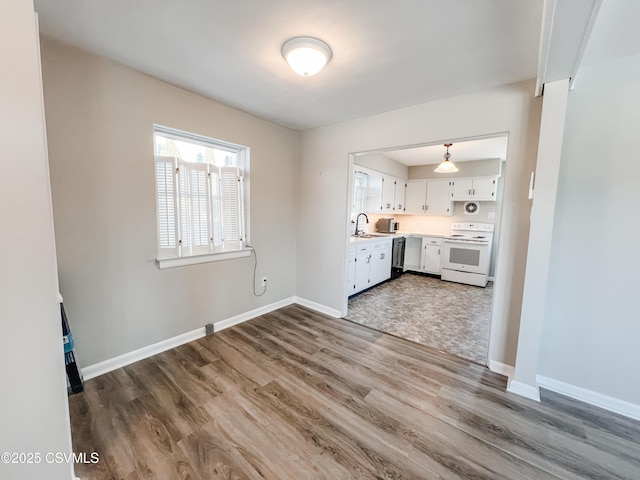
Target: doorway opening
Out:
[441,295]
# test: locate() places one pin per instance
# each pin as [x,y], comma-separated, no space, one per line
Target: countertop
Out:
[382,236]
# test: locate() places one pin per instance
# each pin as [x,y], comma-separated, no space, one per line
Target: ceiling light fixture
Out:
[446,166]
[306,55]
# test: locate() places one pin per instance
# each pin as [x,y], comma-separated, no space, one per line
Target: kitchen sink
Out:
[370,235]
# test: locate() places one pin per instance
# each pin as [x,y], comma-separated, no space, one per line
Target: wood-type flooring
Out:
[298,395]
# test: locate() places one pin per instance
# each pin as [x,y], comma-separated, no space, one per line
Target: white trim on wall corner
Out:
[524,390]
[503,369]
[318,307]
[120,361]
[612,404]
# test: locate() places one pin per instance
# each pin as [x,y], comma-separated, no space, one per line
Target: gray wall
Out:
[324,173]
[34,415]
[591,330]
[100,118]
[473,168]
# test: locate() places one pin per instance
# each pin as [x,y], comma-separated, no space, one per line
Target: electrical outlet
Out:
[209,329]
[264,281]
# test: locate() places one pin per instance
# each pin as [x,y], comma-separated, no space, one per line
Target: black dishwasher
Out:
[397,261]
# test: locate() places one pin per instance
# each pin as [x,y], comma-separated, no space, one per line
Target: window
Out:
[200,196]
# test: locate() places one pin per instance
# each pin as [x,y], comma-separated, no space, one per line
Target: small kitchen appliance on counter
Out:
[467,253]
[387,225]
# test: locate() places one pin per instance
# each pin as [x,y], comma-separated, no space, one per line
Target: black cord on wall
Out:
[255,267]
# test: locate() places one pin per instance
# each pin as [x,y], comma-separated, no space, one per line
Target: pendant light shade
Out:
[306,55]
[446,166]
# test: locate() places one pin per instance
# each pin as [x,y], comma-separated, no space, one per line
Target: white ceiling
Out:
[461,151]
[386,54]
[616,32]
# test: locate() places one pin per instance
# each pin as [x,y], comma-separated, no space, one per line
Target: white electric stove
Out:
[467,253]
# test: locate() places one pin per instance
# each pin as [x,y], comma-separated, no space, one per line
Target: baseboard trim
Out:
[256,312]
[596,399]
[503,369]
[125,359]
[318,307]
[524,390]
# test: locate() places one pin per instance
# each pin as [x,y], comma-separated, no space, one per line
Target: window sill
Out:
[196,259]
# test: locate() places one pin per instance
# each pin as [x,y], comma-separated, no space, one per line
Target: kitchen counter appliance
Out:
[387,225]
[467,253]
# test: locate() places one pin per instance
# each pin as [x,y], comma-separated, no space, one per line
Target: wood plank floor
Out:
[298,395]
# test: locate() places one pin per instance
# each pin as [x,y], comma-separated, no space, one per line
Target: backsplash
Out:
[434,224]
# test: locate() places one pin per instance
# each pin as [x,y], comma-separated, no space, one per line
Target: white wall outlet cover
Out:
[471,208]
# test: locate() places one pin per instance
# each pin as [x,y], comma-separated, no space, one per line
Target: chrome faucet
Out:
[358,219]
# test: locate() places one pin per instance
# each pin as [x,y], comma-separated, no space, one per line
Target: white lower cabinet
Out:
[380,262]
[431,256]
[423,254]
[371,264]
[351,269]
[361,277]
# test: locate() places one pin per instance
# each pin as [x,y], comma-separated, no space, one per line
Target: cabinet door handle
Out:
[474,191]
[438,251]
[469,191]
[426,208]
[369,259]
[382,256]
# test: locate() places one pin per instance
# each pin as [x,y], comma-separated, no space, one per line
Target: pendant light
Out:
[306,55]
[446,166]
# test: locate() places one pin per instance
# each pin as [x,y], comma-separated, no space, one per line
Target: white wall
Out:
[34,414]
[323,180]
[554,108]
[591,329]
[100,118]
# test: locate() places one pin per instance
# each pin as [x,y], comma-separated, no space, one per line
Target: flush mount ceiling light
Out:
[306,55]
[446,166]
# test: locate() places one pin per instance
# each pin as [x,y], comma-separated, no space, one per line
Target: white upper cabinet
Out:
[484,188]
[388,193]
[399,196]
[478,188]
[392,194]
[416,197]
[428,196]
[384,194]
[438,201]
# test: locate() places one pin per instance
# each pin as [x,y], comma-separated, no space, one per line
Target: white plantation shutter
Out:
[216,208]
[184,209]
[166,206]
[232,204]
[199,203]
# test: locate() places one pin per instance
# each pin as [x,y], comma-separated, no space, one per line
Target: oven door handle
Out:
[467,242]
